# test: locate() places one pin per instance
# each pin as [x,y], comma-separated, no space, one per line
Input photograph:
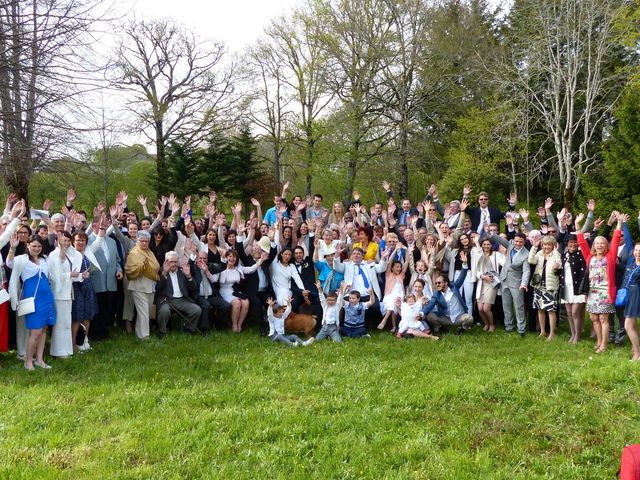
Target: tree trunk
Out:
[351,176]
[161,160]
[310,147]
[276,165]
[404,167]
[568,194]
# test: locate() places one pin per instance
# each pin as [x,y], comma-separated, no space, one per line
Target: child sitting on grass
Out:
[331,305]
[411,322]
[354,314]
[277,314]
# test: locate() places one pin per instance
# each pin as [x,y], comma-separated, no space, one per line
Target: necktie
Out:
[364,277]
[514,252]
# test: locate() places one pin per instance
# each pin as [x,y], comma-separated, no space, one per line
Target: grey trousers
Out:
[290,340]
[511,296]
[187,308]
[465,321]
[329,331]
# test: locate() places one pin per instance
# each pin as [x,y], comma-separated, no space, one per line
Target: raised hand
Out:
[524,214]
[71,196]
[186,269]
[591,205]
[386,185]
[542,213]
[464,203]
[598,223]
[548,203]
[356,196]
[142,200]
[13,241]
[46,205]
[463,256]
[466,190]
[18,209]
[433,191]
[255,202]
[513,198]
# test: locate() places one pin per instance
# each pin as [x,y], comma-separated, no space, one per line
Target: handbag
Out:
[621,294]
[238,293]
[27,305]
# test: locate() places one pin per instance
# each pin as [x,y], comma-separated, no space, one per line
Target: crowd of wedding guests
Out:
[416,270]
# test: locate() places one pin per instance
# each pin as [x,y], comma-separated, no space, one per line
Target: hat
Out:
[330,250]
[265,244]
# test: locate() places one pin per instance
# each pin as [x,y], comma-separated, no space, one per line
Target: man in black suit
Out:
[306,270]
[257,285]
[206,295]
[484,214]
[173,292]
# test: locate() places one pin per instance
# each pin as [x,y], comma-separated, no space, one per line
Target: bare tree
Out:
[356,35]
[180,85]
[44,66]
[269,109]
[562,69]
[305,62]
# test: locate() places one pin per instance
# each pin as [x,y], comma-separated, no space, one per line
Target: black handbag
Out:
[238,293]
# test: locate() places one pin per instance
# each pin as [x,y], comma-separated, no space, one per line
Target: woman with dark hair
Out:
[632,309]
[574,287]
[282,272]
[211,246]
[366,243]
[32,270]
[85,302]
[230,288]
[9,224]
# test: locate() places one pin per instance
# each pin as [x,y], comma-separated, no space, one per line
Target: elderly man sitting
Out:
[174,292]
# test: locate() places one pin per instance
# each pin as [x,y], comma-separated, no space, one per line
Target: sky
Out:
[236,22]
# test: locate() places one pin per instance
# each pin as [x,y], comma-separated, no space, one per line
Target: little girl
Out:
[393,288]
[411,319]
[277,314]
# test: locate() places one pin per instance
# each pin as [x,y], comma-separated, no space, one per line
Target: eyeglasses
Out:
[552,231]
[23,232]
[439,283]
[483,199]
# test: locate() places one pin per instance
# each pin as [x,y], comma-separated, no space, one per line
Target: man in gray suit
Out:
[105,281]
[514,278]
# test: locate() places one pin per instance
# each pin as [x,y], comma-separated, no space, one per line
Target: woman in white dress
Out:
[62,275]
[282,272]
[230,288]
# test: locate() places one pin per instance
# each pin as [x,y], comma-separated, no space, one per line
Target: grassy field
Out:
[236,406]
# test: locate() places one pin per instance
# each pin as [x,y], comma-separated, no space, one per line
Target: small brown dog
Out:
[300,322]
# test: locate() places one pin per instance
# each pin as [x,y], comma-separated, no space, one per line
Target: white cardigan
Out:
[60,276]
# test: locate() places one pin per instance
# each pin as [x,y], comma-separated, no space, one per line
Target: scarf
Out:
[142,263]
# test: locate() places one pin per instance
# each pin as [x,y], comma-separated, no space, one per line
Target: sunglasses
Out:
[439,283]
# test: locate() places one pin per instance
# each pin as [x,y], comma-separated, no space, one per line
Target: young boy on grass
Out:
[411,322]
[354,309]
[331,305]
[277,314]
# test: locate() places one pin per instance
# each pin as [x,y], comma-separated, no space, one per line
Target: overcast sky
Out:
[236,22]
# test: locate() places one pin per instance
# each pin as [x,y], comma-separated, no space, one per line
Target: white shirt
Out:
[330,315]
[173,276]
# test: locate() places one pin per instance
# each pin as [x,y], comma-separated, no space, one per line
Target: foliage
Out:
[238,406]
[615,183]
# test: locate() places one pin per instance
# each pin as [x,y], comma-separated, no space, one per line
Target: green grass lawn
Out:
[237,406]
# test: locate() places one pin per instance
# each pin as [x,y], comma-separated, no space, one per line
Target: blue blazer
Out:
[438,301]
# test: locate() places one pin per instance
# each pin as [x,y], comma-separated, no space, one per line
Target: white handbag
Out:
[27,305]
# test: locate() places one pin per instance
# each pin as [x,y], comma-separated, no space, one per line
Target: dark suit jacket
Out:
[439,303]
[196,273]
[164,288]
[475,214]
[252,280]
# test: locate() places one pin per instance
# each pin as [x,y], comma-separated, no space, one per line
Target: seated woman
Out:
[230,291]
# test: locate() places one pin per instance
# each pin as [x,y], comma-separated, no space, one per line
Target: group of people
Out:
[418,270]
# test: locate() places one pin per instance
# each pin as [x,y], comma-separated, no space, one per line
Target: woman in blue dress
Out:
[632,309]
[32,271]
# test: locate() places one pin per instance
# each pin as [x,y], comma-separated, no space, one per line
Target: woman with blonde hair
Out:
[545,281]
[601,259]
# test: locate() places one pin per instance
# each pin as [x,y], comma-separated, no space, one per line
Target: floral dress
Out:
[598,299]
